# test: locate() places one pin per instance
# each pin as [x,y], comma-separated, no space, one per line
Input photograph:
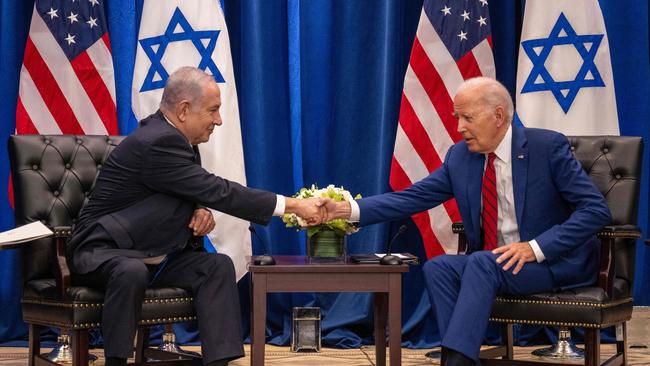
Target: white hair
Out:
[492,93]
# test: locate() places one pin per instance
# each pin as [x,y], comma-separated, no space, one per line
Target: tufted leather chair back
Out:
[614,165]
[53,176]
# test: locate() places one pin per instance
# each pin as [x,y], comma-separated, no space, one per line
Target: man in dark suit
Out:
[141,224]
[530,214]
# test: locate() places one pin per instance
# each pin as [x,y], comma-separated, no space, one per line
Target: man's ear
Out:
[500,115]
[182,110]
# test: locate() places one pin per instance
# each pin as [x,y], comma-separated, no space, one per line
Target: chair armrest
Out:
[619,231]
[21,241]
[62,231]
[61,269]
[459,228]
[60,263]
[608,236]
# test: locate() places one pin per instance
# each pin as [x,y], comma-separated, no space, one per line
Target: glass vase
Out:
[327,245]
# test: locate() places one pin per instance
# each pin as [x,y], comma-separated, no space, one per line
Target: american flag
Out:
[453,43]
[66,81]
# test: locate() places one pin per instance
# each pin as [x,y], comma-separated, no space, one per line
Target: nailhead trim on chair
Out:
[97,325]
[569,303]
[176,299]
[166,320]
[557,324]
[99,305]
[95,304]
[619,234]
[88,305]
[62,233]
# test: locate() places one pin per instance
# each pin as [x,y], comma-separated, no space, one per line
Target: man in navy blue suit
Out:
[142,224]
[530,214]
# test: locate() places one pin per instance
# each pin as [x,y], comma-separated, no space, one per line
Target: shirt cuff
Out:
[355,213]
[279,206]
[539,255]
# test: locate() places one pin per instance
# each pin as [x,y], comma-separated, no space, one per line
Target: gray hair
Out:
[492,93]
[184,83]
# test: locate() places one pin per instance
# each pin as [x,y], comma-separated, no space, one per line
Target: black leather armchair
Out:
[53,176]
[614,164]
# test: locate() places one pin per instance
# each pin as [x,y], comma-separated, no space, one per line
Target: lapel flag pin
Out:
[520,156]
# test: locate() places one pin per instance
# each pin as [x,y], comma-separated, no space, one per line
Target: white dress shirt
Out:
[507,229]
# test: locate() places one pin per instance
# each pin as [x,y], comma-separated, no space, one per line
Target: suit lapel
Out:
[197,154]
[474,184]
[160,119]
[520,160]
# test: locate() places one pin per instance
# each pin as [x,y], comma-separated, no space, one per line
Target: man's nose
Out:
[461,126]
[217,121]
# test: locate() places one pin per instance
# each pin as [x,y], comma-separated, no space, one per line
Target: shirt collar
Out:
[168,121]
[504,150]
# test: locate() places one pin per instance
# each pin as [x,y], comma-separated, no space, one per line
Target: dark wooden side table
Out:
[297,274]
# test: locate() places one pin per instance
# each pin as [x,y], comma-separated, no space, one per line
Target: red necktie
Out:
[490,205]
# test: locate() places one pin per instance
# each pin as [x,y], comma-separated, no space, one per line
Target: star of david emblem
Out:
[538,51]
[163,40]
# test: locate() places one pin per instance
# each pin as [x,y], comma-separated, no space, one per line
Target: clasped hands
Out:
[316,211]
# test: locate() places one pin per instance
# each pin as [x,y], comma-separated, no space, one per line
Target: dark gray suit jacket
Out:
[146,194]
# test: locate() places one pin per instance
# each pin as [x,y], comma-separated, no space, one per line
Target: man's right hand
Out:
[337,210]
[311,210]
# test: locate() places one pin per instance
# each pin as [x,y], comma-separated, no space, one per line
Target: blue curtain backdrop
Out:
[319,86]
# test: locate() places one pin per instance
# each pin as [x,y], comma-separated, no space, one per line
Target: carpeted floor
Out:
[276,356]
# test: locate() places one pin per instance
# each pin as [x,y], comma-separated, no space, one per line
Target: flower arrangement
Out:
[340,226]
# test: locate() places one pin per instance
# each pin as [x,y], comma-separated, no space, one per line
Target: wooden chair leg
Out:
[621,341]
[592,347]
[34,343]
[79,347]
[507,339]
[141,343]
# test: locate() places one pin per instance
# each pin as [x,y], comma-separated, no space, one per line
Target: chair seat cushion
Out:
[82,306]
[581,307]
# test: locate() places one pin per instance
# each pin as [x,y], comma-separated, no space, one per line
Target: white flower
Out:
[331,191]
[301,222]
[346,195]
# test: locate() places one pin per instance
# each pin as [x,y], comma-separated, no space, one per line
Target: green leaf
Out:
[313,230]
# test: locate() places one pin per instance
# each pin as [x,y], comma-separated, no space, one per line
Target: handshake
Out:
[316,211]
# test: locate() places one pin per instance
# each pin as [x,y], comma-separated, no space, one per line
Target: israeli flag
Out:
[564,76]
[193,33]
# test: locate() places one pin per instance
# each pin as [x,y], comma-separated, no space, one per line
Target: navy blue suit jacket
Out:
[148,190]
[555,201]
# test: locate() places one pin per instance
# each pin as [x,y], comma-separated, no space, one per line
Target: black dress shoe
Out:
[115,361]
[218,363]
[455,358]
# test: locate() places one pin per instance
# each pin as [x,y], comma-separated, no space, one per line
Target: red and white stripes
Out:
[61,96]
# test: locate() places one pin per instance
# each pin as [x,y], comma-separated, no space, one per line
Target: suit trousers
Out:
[462,288]
[210,278]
